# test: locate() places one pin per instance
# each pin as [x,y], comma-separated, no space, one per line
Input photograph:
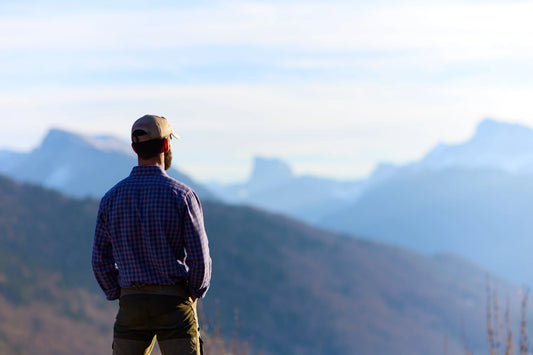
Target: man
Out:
[151,250]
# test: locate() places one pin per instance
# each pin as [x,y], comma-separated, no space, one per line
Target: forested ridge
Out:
[278,284]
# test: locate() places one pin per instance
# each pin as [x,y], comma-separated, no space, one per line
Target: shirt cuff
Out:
[113,294]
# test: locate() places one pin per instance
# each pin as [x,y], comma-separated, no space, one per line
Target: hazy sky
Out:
[332,87]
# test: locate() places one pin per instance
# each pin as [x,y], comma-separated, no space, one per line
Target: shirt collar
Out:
[148,170]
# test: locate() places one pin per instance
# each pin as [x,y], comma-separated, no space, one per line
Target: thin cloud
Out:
[354,80]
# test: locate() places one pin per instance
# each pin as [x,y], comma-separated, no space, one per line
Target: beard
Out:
[168,159]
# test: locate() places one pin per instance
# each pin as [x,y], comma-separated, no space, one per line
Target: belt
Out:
[180,290]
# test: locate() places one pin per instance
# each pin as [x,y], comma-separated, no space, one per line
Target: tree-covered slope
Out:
[293,288]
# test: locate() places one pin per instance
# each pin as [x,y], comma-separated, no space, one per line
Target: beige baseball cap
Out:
[156,127]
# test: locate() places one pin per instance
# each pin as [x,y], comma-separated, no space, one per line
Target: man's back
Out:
[149,219]
[151,250]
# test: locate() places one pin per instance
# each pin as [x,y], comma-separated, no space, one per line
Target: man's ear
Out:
[166,145]
[133,147]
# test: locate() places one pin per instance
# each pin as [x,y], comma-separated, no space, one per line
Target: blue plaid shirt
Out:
[150,231]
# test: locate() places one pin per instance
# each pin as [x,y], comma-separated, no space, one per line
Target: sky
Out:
[331,87]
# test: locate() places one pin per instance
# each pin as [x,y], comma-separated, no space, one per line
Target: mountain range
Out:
[273,186]
[471,198]
[282,285]
[474,199]
[78,165]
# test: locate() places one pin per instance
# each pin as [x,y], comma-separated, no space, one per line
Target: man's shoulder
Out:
[177,186]
[112,190]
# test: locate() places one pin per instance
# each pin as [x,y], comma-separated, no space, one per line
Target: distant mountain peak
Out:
[495,144]
[268,171]
[492,123]
[492,129]
[79,164]
[57,138]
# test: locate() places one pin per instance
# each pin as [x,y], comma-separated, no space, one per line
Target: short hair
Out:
[147,149]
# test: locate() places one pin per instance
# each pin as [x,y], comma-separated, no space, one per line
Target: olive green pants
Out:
[162,313]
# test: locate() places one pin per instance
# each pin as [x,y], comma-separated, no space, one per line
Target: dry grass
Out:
[214,341]
[42,328]
[497,333]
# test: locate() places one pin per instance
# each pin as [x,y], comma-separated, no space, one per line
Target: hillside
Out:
[482,214]
[47,299]
[362,294]
[295,289]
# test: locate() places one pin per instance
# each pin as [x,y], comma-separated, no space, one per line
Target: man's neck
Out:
[156,161]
